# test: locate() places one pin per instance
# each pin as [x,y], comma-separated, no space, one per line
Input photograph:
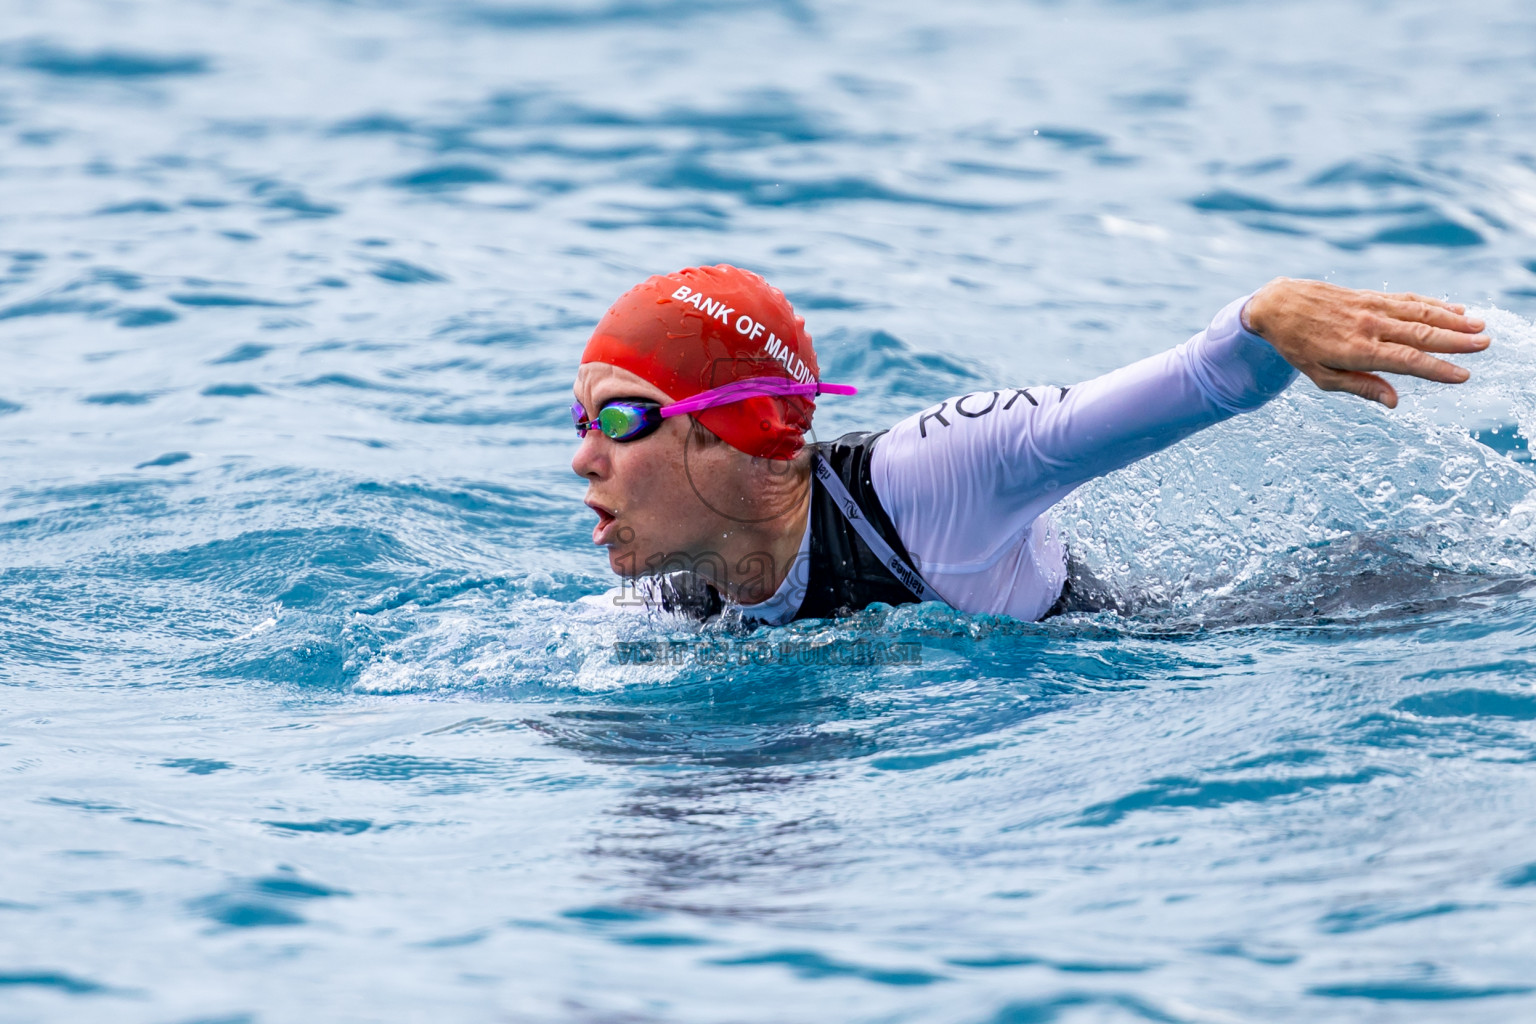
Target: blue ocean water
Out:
[302,717]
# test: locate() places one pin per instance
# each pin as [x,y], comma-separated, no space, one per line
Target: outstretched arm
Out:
[1342,338]
[962,479]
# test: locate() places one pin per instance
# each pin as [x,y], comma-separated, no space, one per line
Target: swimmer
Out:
[696,390]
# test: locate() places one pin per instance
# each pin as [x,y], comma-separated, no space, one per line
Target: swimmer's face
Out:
[646,496]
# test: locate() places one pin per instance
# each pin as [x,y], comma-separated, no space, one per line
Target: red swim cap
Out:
[702,327]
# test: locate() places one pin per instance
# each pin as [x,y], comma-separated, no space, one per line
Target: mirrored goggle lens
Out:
[622,422]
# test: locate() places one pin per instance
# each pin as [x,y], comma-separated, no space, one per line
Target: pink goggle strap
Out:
[751,387]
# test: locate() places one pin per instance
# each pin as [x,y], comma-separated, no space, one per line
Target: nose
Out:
[591,458]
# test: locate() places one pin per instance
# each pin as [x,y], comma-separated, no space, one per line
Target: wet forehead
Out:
[597,383]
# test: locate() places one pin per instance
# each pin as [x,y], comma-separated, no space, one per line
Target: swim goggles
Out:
[630,419]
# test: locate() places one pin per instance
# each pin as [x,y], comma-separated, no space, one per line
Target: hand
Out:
[1337,336]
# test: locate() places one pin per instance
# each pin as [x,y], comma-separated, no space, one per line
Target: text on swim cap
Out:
[709,307]
[791,362]
[747,328]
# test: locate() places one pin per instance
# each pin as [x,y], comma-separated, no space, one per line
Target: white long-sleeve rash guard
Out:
[966,482]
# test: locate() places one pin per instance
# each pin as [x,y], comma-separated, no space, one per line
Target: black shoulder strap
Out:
[909,577]
[845,575]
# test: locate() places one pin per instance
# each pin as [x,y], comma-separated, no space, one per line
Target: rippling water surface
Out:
[302,717]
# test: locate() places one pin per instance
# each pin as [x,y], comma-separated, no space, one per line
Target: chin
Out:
[620,560]
[626,560]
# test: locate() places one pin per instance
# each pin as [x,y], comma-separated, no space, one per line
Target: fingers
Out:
[1415,309]
[1367,385]
[1428,338]
[1414,297]
[1398,359]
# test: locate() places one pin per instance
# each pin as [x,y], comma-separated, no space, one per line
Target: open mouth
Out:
[605,520]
